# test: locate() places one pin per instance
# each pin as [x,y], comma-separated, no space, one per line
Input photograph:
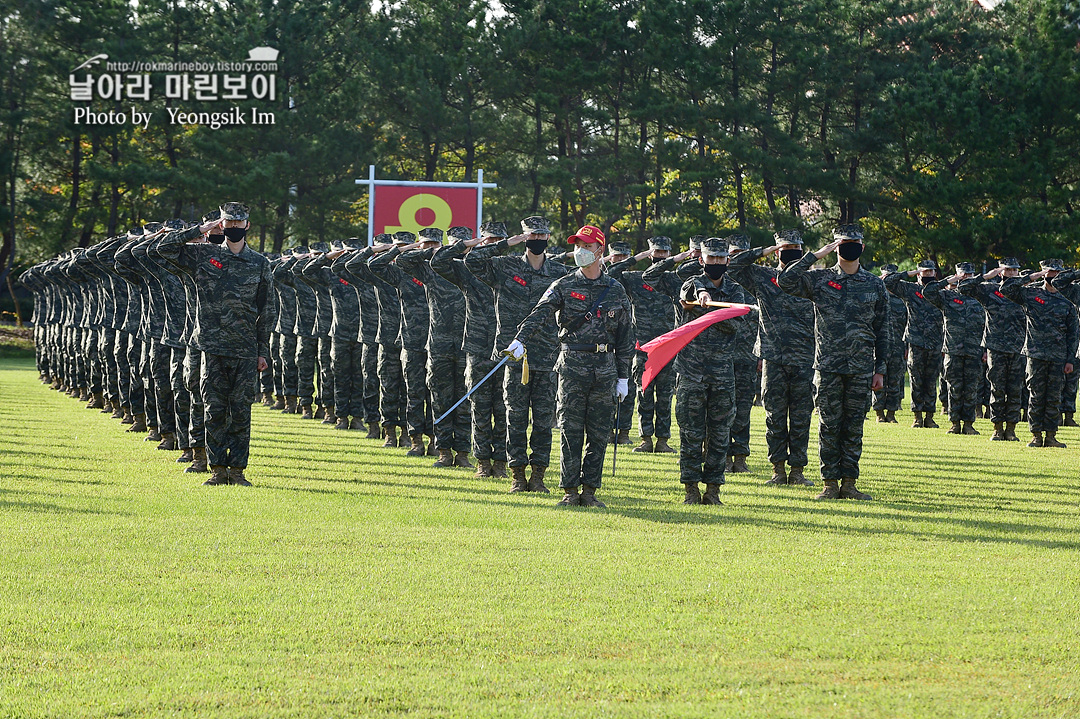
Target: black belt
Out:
[588,348]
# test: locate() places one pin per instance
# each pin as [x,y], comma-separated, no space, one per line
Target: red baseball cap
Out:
[588,233]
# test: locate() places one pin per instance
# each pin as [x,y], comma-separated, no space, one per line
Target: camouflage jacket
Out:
[897,323]
[324,306]
[786,323]
[116,287]
[518,288]
[1006,324]
[307,305]
[411,296]
[708,355]
[572,297]
[286,294]
[449,262]
[345,311]
[1066,284]
[446,304]
[235,294]
[925,323]
[965,320]
[667,280]
[653,311]
[1052,330]
[173,299]
[851,316]
[366,301]
[156,293]
[129,268]
[387,305]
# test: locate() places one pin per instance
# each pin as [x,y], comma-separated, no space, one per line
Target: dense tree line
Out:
[951,131]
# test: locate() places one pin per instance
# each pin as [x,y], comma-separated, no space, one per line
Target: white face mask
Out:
[583,257]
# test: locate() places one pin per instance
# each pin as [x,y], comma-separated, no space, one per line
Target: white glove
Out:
[622,388]
[515,350]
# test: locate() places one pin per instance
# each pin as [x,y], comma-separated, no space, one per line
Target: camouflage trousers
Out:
[705,412]
[181,397]
[1006,373]
[622,416]
[1068,391]
[391,386]
[746,387]
[417,396]
[326,372]
[369,360]
[228,386]
[283,353]
[196,412]
[538,396]
[842,402]
[347,363]
[924,367]
[123,369]
[146,371]
[586,399]
[307,350]
[984,383]
[964,376]
[160,357]
[654,403]
[788,396]
[107,355]
[487,408]
[893,394]
[446,381]
[266,377]
[91,361]
[1044,380]
[41,356]
[136,392]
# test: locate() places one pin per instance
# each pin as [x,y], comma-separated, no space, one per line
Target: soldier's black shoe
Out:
[236,476]
[186,457]
[779,475]
[168,442]
[152,435]
[890,417]
[796,477]
[374,431]
[693,493]
[1036,439]
[279,403]
[588,498]
[320,412]
[831,491]
[624,437]
[918,423]
[1070,420]
[1052,441]
[848,491]
[880,415]
[712,494]
[446,459]
[955,428]
[391,436]
[307,413]
[342,423]
[570,498]
[431,447]
[218,475]
[498,469]
[970,429]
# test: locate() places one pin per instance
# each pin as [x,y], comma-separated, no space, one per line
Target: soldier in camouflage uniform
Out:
[283,341]
[446,333]
[623,418]
[1003,337]
[369,331]
[232,328]
[887,401]
[307,339]
[1065,283]
[746,366]
[323,360]
[519,281]
[924,336]
[786,346]
[653,316]
[488,408]
[851,328]
[596,344]
[964,324]
[1051,345]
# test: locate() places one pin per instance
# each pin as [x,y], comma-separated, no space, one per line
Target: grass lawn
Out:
[351,581]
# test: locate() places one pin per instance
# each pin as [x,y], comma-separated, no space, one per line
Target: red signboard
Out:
[413,208]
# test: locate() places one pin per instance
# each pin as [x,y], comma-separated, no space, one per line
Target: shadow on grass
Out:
[7,504]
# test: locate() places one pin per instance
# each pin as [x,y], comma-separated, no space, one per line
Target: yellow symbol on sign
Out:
[411,207]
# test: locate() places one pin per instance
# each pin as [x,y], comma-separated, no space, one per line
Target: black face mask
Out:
[789,256]
[235,234]
[715,272]
[926,280]
[216,239]
[536,247]
[849,251]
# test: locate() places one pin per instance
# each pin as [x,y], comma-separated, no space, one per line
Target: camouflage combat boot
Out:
[391,436]
[356,423]
[536,479]
[693,493]
[84,395]
[416,448]
[955,428]
[969,428]
[291,403]
[918,423]
[186,456]
[928,421]
[198,461]
[307,413]
[461,459]
[431,450]
[624,436]
[446,459]
[374,431]
[727,465]
[890,416]
[831,491]
[1010,432]
[342,423]
[320,412]
[106,408]
[329,417]
[168,442]
[97,401]
[1052,441]
[1036,439]
[120,412]
[880,415]
[498,469]
[712,494]
[483,468]
[518,483]
[738,464]
[588,497]
[646,444]
[779,475]
[570,498]
[796,476]
[1069,420]
[979,412]
[218,475]
[999,433]
[279,403]
[662,446]
[236,476]
[848,491]
[1023,414]
[138,423]
[152,434]
[268,399]
[128,417]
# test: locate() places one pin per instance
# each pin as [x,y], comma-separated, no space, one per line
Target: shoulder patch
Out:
[919,295]
[342,281]
[1040,300]
[647,286]
[835,285]
[998,294]
[417,282]
[216,262]
[576,295]
[520,281]
[957,300]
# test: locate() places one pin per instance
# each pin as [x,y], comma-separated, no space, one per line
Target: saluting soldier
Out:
[746,382]
[924,336]
[617,253]
[1066,284]
[887,401]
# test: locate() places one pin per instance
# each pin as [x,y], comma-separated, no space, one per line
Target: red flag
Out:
[663,349]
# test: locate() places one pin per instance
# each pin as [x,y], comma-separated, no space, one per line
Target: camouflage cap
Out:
[382,238]
[889,268]
[536,225]
[1052,265]
[695,241]
[493,229]
[848,232]
[1010,263]
[927,265]
[965,268]
[404,238]
[337,245]
[353,243]
[660,242]
[301,250]
[152,227]
[175,224]
[287,252]
[619,248]
[714,247]
[459,234]
[737,243]
[320,247]
[212,216]
[234,211]
[788,237]
[136,231]
[431,234]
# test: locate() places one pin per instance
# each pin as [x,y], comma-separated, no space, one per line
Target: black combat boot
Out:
[1010,432]
[498,469]
[969,428]
[461,459]
[187,456]
[1036,439]
[880,415]
[446,458]
[374,431]
[928,421]
[918,423]
[955,428]
[279,403]
[342,423]
[307,413]
[738,464]
[168,442]
[236,476]
[1070,420]
[329,416]
[890,416]
[391,436]
[1052,441]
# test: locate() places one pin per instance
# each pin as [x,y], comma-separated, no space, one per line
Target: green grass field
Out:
[351,581]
